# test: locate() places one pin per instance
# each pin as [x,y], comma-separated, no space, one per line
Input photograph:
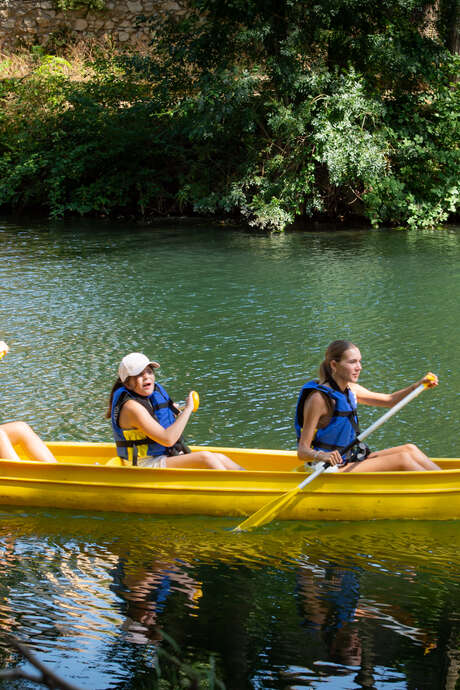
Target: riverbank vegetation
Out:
[261,112]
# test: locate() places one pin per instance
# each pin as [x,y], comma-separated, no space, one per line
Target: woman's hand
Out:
[195,400]
[189,403]
[429,380]
[333,458]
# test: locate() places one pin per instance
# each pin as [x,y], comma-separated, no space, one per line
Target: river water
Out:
[243,319]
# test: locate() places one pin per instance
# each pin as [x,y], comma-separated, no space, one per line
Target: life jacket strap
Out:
[130,444]
[326,446]
[161,406]
[133,444]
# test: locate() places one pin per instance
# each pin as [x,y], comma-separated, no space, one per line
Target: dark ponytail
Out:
[118,384]
[334,352]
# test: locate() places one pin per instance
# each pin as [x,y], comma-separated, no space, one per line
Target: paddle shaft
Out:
[364,434]
[413,394]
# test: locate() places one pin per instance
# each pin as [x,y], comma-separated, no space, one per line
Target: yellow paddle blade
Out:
[268,512]
[275,507]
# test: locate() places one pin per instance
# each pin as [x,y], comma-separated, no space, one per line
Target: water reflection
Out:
[346,627]
[145,589]
[296,603]
[328,602]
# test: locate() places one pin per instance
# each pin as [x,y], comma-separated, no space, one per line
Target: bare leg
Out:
[204,460]
[407,458]
[20,433]
[6,449]
[415,453]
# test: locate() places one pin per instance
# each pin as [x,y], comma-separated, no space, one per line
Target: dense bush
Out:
[265,111]
[68,5]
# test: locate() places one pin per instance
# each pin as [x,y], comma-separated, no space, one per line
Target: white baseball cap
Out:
[134,364]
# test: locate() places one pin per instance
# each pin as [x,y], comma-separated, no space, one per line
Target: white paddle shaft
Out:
[391,412]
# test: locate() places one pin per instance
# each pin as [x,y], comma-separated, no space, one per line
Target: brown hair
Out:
[118,384]
[334,352]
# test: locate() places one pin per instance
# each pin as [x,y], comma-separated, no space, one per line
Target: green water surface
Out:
[243,319]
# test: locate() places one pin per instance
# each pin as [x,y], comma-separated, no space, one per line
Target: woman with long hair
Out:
[327,422]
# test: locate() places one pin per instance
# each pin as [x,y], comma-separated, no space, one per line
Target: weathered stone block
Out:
[80,25]
[135,7]
[171,6]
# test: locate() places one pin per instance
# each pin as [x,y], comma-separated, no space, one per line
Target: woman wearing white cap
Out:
[147,425]
[21,434]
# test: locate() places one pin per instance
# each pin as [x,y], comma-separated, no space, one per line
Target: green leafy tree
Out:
[325,108]
[68,5]
[261,111]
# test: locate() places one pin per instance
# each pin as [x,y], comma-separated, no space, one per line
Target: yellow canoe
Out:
[82,480]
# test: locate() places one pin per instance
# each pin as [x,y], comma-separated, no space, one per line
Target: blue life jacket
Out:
[343,427]
[133,443]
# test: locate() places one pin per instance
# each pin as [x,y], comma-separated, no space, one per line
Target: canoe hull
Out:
[78,483]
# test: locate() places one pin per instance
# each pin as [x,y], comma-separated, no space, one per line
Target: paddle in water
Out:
[271,510]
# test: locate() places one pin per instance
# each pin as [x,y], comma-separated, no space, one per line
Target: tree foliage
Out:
[265,111]
[69,5]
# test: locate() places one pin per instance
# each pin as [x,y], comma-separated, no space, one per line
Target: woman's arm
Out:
[366,397]
[315,407]
[134,415]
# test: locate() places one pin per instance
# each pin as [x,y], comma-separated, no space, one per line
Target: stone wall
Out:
[37,22]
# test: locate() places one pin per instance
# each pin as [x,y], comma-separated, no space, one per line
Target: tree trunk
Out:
[451,20]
